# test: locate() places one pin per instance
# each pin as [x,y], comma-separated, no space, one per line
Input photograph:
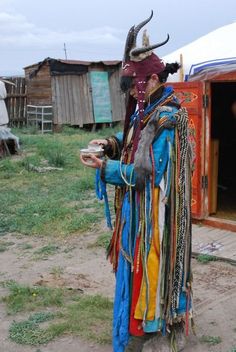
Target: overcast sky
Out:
[32,30]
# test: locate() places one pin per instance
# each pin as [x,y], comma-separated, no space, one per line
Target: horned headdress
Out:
[140,62]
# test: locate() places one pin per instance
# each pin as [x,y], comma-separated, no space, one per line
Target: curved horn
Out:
[129,43]
[136,52]
[141,25]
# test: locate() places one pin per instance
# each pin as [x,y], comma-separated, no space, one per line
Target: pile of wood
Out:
[16,101]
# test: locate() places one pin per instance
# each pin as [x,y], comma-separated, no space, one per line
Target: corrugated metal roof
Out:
[79,62]
[87,63]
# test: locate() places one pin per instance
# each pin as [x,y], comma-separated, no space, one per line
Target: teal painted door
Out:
[101,96]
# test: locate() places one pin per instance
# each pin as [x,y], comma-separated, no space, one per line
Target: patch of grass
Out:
[50,203]
[4,245]
[41,317]
[8,168]
[25,246]
[233,349]
[69,131]
[206,258]
[57,271]
[83,222]
[69,249]
[28,332]
[30,160]
[46,251]
[102,241]
[90,317]
[54,153]
[211,340]
[25,298]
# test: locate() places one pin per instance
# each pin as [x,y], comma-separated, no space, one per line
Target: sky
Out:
[96,30]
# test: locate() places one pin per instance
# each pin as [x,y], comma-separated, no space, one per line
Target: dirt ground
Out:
[86,269]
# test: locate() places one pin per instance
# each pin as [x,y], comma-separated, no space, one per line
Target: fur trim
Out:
[142,162]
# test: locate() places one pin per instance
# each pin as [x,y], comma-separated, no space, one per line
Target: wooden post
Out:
[181,71]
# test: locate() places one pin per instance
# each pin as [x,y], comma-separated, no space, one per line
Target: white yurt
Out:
[215,51]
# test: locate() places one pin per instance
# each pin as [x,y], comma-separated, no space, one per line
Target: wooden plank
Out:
[88,94]
[54,105]
[67,98]
[226,240]
[58,100]
[83,100]
[117,98]
[63,101]
[75,99]
[71,111]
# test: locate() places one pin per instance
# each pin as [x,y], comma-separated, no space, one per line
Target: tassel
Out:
[168,180]
[101,193]
[187,311]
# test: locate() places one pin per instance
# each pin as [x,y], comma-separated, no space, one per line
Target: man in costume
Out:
[149,163]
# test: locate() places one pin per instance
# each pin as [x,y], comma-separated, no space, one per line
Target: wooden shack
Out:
[80,92]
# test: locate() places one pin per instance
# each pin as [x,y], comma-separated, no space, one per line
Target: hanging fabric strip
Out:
[101,193]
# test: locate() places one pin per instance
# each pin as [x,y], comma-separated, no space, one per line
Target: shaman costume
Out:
[149,163]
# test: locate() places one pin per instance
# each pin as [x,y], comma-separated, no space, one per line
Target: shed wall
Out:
[71,100]
[117,98]
[39,90]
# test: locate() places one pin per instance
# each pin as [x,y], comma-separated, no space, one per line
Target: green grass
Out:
[28,332]
[25,246]
[206,258]
[25,298]
[46,251]
[102,241]
[211,340]
[4,245]
[57,271]
[50,203]
[90,317]
[233,349]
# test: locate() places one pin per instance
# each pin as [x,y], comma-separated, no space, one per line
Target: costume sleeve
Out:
[114,146]
[115,173]
[112,172]
[119,136]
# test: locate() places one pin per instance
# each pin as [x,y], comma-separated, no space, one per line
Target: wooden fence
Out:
[16,101]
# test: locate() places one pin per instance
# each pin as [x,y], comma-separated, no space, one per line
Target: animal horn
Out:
[129,43]
[141,25]
[138,51]
[132,36]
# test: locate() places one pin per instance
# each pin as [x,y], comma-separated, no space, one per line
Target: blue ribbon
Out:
[101,193]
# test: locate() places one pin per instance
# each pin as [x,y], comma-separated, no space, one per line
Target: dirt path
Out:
[86,269]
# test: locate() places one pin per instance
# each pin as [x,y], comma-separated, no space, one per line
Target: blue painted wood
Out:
[101,96]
